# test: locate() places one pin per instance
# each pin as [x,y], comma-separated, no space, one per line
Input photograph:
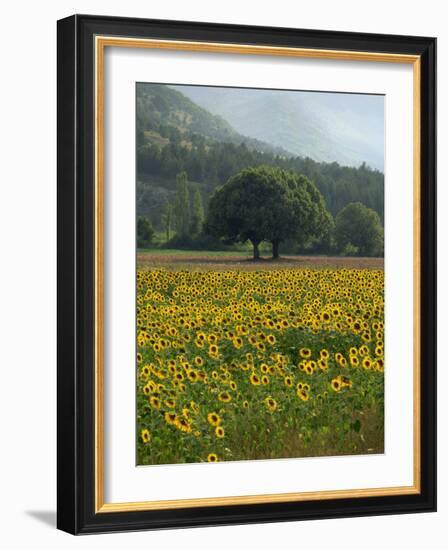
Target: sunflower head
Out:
[225,397]
[219,431]
[336,384]
[271,404]
[146,436]
[214,419]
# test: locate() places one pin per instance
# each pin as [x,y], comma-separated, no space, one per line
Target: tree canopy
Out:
[266,204]
[145,232]
[358,231]
[182,205]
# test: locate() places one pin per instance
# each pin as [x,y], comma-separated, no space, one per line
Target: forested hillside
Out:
[174,135]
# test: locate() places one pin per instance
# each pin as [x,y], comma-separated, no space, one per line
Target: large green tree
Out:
[266,204]
[358,229]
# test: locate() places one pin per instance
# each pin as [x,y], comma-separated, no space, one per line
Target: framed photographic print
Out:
[246,274]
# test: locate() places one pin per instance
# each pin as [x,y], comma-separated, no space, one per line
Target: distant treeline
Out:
[212,163]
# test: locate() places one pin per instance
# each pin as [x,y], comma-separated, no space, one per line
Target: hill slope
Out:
[164,114]
[327,127]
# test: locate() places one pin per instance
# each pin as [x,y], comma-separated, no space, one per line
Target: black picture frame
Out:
[76,257]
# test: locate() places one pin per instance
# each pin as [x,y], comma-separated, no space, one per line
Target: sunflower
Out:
[183,425]
[346,382]
[336,384]
[198,361]
[309,369]
[305,353]
[213,350]
[212,457]
[288,381]
[146,436]
[363,350]
[219,431]
[322,364]
[303,395]
[170,418]
[214,419]
[254,379]
[192,375]
[271,404]
[237,342]
[154,402]
[146,370]
[225,397]
[194,407]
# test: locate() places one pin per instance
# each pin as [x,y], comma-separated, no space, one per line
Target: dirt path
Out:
[197,262]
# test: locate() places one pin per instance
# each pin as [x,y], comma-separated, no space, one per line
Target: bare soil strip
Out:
[219,263]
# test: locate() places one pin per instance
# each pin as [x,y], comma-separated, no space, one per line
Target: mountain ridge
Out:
[327,127]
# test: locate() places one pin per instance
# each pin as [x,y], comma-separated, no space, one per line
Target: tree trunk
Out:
[275,245]
[256,250]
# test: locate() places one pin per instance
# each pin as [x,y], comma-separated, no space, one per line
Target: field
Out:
[204,260]
[242,360]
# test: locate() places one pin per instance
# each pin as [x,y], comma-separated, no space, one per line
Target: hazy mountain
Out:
[163,112]
[327,127]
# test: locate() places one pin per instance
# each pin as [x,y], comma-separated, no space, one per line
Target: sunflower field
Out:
[239,365]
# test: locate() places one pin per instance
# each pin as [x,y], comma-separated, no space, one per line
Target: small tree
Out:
[359,228]
[182,206]
[167,219]
[197,217]
[145,232]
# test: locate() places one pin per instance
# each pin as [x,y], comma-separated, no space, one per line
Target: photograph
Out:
[260,273]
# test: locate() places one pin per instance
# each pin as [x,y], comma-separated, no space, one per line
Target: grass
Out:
[193,253]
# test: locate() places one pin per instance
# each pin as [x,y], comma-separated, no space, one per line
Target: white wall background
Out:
[28,271]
